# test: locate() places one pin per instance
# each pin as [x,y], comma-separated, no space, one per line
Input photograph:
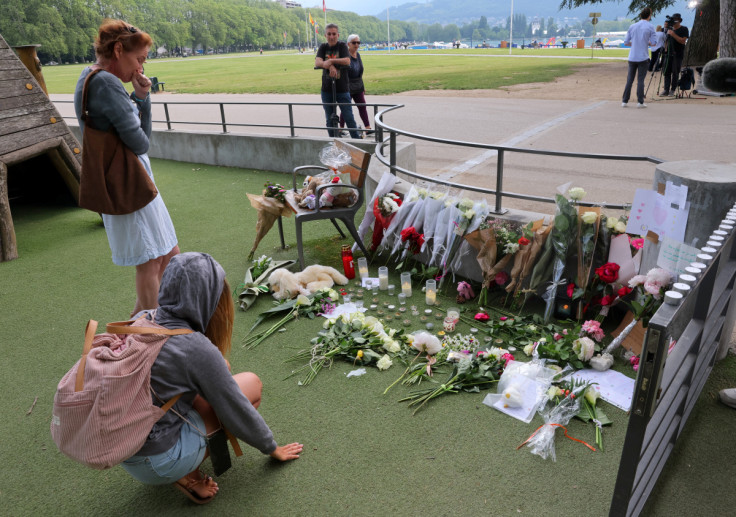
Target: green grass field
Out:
[385,73]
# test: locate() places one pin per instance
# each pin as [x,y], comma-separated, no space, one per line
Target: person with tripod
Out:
[331,57]
[640,36]
[677,36]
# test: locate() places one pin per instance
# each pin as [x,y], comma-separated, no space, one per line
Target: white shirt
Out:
[660,41]
[640,36]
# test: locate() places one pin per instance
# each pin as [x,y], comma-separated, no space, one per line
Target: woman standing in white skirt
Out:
[145,238]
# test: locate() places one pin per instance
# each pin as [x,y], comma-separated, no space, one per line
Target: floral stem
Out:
[403,374]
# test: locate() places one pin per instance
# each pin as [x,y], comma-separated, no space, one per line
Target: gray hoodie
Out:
[191,364]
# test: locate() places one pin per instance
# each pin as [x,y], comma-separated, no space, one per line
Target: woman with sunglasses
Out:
[355,77]
[145,238]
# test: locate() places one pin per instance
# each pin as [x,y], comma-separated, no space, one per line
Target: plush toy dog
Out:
[286,285]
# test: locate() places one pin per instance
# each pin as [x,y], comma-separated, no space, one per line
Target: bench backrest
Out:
[359,161]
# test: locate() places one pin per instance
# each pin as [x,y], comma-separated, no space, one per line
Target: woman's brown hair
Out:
[112,31]
[220,327]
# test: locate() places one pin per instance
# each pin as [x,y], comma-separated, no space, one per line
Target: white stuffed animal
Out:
[286,285]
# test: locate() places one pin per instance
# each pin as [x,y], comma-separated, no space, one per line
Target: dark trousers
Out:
[672,68]
[639,69]
[655,58]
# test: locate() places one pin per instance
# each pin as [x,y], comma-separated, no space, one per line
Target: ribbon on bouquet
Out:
[555,425]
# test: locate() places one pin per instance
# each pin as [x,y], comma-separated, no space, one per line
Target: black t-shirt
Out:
[338,51]
[678,47]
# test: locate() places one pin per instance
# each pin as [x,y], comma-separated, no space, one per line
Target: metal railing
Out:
[668,383]
[393,132]
[224,123]
[498,192]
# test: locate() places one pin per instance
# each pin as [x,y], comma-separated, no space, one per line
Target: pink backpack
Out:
[102,408]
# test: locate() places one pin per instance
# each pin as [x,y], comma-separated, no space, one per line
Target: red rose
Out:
[501,278]
[570,289]
[523,241]
[607,300]
[407,233]
[624,291]
[608,273]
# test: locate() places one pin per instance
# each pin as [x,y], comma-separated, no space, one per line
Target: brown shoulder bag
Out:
[113,179]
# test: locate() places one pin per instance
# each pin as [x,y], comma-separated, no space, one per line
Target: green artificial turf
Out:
[365,454]
[295,74]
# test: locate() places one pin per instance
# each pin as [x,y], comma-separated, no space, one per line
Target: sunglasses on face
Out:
[355,42]
[132,29]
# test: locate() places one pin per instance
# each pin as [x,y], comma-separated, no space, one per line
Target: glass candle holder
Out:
[454,313]
[363,267]
[383,278]
[449,324]
[375,289]
[430,294]
[359,304]
[407,323]
[402,299]
[391,288]
[406,284]
[346,298]
[373,307]
[439,316]
[429,326]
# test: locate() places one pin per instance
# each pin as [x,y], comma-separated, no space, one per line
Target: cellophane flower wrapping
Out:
[562,236]
[391,237]
[543,442]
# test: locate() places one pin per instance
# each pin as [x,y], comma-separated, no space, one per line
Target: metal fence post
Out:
[168,119]
[291,119]
[392,152]
[222,115]
[499,181]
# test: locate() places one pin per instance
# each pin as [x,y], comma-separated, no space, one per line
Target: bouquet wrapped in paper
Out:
[270,206]
[525,258]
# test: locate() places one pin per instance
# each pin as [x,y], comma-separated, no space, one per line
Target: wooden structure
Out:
[358,169]
[30,126]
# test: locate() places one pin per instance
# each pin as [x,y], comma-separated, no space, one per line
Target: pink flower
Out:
[507,357]
[634,362]
[503,318]
[593,328]
[482,316]
[557,336]
[564,332]
[501,278]
[636,243]
[652,288]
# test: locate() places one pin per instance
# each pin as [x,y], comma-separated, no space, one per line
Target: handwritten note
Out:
[654,212]
[675,256]
[614,387]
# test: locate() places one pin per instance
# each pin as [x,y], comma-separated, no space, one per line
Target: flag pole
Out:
[388,28]
[511,28]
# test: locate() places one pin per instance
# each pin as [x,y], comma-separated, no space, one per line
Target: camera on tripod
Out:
[668,22]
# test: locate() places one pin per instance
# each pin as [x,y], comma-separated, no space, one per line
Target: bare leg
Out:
[252,387]
[148,279]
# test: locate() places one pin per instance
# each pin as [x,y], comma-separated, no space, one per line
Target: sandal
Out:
[189,491]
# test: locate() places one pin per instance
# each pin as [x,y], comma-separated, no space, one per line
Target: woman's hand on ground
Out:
[287,452]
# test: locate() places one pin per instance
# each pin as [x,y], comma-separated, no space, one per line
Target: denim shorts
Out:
[167,467]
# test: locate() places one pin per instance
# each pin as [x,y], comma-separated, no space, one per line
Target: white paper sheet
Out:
[620,253]
[676,195]
[614,387]
[345,308]
[675,256]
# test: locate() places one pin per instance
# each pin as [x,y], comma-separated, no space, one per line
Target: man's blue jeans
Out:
[345,109]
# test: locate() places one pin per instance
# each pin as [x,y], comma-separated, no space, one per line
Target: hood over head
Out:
[190,290]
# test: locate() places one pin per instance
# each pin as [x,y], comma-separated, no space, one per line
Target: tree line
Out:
[66,29]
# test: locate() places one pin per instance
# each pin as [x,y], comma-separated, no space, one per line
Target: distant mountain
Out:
[463,11]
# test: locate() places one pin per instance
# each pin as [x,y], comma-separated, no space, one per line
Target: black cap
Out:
[676,17]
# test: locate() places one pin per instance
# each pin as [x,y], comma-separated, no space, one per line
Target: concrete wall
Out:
[272,153]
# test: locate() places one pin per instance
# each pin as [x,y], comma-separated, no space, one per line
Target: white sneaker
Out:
[624,104]
[641,105]
[728,397]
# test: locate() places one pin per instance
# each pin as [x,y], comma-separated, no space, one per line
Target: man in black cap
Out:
[677,37]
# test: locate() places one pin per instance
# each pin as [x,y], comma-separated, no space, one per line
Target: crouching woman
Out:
[195,295]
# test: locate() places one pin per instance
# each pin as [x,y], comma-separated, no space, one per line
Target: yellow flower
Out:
[359,355]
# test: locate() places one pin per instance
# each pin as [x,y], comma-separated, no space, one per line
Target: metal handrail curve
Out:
[498,192]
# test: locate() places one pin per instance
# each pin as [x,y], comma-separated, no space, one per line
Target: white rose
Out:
[611,222]
[469,214]
[620,227]
[589,217]
[584,348]
[576,193]
[391,345]
[425,342]
[384,363]
[529,349]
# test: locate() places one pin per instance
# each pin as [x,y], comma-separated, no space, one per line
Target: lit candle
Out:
[430,294]
[363,267]
[406,284]
[383,278]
